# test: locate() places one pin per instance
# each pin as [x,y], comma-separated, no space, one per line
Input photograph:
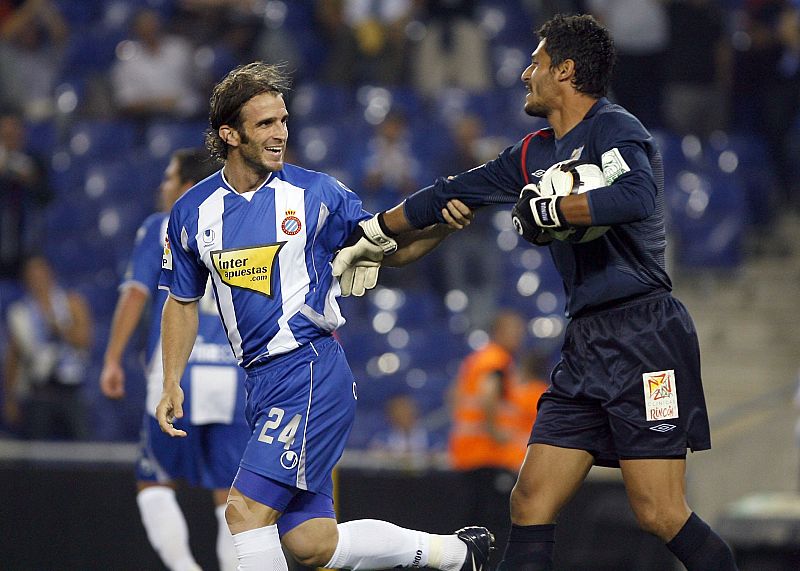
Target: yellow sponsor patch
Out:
[248,268]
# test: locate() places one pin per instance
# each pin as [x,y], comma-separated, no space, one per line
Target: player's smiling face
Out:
[540,83]
[263,133]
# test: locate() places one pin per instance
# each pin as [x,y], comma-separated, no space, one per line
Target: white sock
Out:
[166,527]
[226,552]
[375,544]
[260,550]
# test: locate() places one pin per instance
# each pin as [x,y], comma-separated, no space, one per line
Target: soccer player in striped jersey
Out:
[214,385]
[266,233]
[627,391]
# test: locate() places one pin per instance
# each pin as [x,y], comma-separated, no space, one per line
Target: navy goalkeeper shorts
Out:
[628,385]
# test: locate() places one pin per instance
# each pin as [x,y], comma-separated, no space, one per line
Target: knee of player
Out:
[240,516]
[659,519]
[313,542]
[312,550]
[233,511]
[523,495]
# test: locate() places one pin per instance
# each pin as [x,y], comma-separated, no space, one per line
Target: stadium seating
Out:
[106,173]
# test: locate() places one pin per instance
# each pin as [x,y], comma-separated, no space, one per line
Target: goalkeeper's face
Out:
[540,84]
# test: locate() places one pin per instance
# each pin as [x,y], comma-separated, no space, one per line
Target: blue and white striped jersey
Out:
[210,358]
[268,253]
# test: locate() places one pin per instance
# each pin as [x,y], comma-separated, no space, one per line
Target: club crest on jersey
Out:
[291,225]
[166,258]
[248,268]
[660,395]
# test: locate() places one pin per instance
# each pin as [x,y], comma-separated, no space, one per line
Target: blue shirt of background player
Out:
[144,268]
[628,260]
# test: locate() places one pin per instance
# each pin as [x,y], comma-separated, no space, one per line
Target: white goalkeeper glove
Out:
[357,263]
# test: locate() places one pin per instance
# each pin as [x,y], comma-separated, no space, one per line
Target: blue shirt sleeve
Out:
[346,212]
[496,182]
[182,272]
[144,266]
[623,145]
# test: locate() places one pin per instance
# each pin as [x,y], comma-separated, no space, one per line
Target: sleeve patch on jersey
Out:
[614,166]
[166,259]
[660,395]
[248,268]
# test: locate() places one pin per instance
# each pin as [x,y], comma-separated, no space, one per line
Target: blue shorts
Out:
[207,456]
[300,407]
[296,506]
[628,385]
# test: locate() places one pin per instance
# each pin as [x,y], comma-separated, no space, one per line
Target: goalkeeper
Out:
[627,391]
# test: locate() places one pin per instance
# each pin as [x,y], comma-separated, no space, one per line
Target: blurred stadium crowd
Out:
[388,94]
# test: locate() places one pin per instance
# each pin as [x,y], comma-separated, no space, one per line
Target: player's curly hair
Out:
[583,40]
[236,89]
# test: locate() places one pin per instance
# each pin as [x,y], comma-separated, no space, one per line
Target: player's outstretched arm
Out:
[357,263]
[178,333]
[417,243]
[130,307]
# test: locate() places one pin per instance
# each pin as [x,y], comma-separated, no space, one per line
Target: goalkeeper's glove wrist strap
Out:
[547,211]
[375,234]
[386,230]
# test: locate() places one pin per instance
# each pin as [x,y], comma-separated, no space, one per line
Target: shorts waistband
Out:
[313,347]
[622,303]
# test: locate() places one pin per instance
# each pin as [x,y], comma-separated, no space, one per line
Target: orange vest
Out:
[471,445]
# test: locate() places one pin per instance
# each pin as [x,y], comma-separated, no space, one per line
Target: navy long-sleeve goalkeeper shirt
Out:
[628,260]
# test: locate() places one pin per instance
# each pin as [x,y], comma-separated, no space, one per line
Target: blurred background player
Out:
[214,389]
[493,411]
[49,337]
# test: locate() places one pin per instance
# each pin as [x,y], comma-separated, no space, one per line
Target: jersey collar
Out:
[229,186]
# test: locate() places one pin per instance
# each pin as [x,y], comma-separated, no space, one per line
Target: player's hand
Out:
[541,211]
[169,408]
[457,214]
[357,263]
[112,380]
[522,216]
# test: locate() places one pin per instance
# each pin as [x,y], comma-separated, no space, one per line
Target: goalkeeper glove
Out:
[357,263]
[545,210]
[523,216]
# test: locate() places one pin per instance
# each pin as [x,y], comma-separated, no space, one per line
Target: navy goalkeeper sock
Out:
[529,548]
[699,548]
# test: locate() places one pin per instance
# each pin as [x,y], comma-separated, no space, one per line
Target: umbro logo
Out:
[663,427]
[538,174]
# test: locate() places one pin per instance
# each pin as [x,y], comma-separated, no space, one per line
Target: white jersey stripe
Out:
[291,261]
[301,464]
[210,218]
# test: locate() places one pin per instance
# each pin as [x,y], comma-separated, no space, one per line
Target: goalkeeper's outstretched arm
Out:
[414,244]
[373,244]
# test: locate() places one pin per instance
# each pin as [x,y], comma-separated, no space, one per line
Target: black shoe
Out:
[480,543]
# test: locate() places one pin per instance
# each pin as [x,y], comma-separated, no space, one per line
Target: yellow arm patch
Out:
[248,268]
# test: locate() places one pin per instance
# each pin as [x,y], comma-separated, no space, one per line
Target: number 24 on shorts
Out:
[286,435]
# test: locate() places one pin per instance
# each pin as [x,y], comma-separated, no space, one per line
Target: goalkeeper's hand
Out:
[357,263]
[542,211]
[524,216]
